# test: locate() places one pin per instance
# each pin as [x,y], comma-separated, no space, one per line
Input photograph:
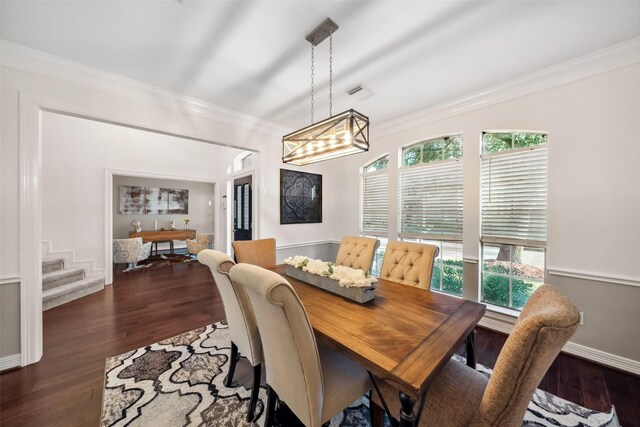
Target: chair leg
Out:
[257,374]
[271,407]
[232,364]
[470,344]
[377,415]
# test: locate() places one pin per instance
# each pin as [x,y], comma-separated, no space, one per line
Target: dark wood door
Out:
[242,220]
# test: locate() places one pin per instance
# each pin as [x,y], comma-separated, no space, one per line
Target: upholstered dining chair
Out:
[314,381]
[130,251]
[243,328]
[460,396]
[357,252]
[260,252]
[409,263]
[201,242]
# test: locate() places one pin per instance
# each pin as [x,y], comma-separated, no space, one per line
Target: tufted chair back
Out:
[409,263]
[357,252]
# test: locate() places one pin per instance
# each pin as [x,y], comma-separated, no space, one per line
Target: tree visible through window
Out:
[514,216]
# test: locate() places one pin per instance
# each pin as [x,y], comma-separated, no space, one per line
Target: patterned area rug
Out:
[179,382]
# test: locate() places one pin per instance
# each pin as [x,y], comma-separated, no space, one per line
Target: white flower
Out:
[345,276]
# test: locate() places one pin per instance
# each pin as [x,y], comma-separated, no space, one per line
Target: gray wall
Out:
[324,251]
[9,319]
[201,207]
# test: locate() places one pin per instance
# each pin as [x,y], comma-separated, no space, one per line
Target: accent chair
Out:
[243,329]
[130,251]
[357,252]
[314,381]
[409,263]
[461,396]
[260,252]
[201,242]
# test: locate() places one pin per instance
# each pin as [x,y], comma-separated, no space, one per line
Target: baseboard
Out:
[70,261]
[9,362]
[502,323]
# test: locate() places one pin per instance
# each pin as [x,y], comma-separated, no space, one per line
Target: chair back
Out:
[409,263]
[201,242]
[243,328]
[357,252]
[260,252]
[129,250]
[290,349]
[546,323]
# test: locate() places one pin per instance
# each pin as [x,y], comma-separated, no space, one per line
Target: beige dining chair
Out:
[357,252]
[243,329]
[314,381]
[409,263]
[260,252]
[460,396]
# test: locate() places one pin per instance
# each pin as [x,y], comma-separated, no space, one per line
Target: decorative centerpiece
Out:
[186,223]
[351,283]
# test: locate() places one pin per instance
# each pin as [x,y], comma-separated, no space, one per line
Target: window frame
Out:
[363,174]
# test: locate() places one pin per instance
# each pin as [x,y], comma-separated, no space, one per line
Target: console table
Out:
[163,236]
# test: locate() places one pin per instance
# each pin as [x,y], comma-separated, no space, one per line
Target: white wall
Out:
[75,154]
[32,80]
[594,200]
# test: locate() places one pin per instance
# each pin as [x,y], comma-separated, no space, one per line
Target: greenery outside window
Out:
[511,273]
[376,266]
[447,267]
[433,150]
[513,216]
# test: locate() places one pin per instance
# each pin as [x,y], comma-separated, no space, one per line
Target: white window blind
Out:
[431,200]
[374,203]
[514,196]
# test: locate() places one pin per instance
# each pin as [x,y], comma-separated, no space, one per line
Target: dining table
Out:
[404,336]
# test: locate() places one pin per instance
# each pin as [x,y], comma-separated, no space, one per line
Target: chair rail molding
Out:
[597,277]
[504,323]
[10,279]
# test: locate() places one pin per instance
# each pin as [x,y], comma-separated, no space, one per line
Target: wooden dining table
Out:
[404,336]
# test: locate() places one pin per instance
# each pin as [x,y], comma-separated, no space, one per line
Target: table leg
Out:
[407,416]
[470,344]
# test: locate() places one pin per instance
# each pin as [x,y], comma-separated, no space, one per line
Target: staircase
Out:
[61,285]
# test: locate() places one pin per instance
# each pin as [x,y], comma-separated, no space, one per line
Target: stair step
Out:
[61,277]
[51,264]
[71,291]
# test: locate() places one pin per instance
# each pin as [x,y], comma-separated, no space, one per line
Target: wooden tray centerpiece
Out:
[353,284]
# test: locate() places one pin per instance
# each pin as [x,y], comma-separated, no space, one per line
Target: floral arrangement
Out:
[347,277]
[186,221]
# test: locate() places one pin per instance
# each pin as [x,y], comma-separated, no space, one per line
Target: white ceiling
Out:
[252,56]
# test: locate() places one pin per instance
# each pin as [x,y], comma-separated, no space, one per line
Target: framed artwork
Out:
[131,200]
[300,197]
[153,200]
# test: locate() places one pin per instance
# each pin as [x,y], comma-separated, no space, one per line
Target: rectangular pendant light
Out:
[340,135]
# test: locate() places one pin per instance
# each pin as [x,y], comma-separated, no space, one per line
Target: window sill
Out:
[502,310]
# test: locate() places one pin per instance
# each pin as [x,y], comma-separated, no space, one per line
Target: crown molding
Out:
[22,58]
[601,61]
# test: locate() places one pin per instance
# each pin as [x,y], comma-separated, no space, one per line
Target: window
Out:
[374,198]
[430,193]
[374,205]
[447,267]
[513,215]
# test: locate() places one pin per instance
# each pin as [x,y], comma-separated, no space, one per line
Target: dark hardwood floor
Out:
[143,307]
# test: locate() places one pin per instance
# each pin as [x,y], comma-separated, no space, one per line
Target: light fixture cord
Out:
[330,73]
[312,88]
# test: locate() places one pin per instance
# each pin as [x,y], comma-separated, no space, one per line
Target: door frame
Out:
[108,208]
[254,201]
